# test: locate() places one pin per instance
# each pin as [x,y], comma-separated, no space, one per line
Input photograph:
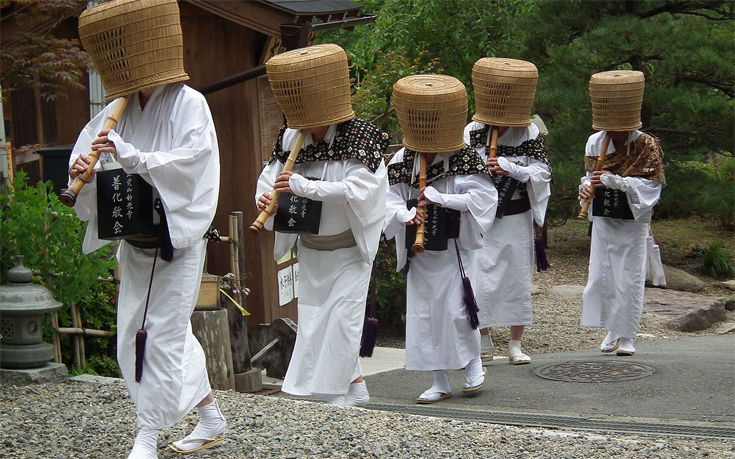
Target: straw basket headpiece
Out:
[432,111]
[617,97]
[134,44]
[504,91]
[312,86]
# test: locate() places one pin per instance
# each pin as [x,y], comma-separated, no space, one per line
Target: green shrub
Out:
[49,235]
[700,188]
[717,262]
[391,287]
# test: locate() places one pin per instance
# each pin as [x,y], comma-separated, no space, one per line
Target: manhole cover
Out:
[595,371]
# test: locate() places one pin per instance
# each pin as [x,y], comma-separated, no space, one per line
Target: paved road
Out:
[694,380]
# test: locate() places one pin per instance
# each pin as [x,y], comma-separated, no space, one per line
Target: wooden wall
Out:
[215,49]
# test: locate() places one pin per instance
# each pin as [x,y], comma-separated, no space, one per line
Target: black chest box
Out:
[611,203]
[124,206]
[297,214]
[441,224]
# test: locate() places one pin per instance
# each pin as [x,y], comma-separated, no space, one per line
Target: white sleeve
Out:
[480,197]
[539,189]
[643,194]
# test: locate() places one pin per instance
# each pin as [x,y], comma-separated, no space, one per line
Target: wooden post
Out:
[211,330]
[247,378]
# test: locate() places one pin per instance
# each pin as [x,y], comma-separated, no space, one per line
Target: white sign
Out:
[296,272]
[285,286]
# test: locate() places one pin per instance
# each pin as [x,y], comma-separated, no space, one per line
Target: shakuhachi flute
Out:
[493,143]
[418,243]
[268,211]
[69,196]
[600,164]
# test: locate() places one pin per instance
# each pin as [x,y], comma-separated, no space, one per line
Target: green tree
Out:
[456,33]
[684,49]
[45,60]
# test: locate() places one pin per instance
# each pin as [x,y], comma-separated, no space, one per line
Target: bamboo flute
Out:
[69,196]
[600,164]
[257,225]
[418,244]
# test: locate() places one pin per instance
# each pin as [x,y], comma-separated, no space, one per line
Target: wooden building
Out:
[226,43]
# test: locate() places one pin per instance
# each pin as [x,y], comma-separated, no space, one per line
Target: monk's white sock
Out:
[473,369]
[441,382]
[146,444]
[211,424]
[357,395]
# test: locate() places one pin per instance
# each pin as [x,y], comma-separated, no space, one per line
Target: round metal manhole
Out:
[595,371]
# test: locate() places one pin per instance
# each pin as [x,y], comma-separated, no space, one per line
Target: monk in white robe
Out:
[613,297]
[502,270]
[345,164]
[167,136]
[439,336]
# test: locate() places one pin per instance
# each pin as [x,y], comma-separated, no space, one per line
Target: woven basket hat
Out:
[312,85]
[134,44]
[432,111]
[504,91]
[617,97]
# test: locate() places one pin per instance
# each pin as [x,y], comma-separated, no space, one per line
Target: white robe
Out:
[502,270]
[613,297]
[438,332]
[333,285]
[172,144]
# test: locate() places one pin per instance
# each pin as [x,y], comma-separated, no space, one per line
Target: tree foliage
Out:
[42,60]
[38,226]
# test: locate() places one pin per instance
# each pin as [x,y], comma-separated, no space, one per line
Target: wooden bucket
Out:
[617,97]
[134,44]
[312,86]
[432,111]
[504,91]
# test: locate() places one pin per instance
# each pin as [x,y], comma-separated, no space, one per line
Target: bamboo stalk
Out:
[83,331]
[55,339]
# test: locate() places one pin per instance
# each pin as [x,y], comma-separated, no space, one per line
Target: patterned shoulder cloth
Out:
[644,160]
[353,139]
[463,162]
[533,148]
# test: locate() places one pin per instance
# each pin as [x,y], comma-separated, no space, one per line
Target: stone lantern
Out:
[24,357]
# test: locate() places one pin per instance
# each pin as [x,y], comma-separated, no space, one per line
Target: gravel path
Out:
[83,420]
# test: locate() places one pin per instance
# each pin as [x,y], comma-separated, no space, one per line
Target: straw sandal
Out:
[475,385]
[429,397]
[625,347]
[519,359]
[205,443]
[609,344]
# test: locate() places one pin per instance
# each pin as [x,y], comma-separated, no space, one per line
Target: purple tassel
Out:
[140,338]
[542,263]
[369,336]
[470,303]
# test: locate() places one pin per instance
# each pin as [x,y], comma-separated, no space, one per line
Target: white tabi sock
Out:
[146,444]
[357,395]
[473,369]
[211,424]
[486,345]
[441,382]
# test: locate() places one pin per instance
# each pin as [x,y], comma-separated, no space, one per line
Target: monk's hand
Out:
[80,166]
[494,168]
[282,185]
[585,192]
[264,201]
[595,179]
[102,144]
